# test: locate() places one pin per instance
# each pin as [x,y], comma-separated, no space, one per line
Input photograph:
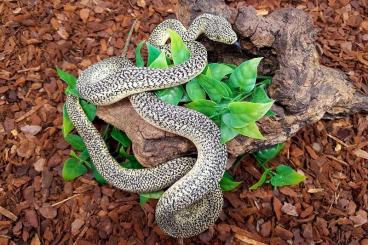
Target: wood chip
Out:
[39,164]
[65,200]
[283,233]
[277,205]
[311,152]
[361,59]
[315,190]
[360,218]
[337,140]
[262,12]
[63,33]
[5,74]
[8,214]
[289,209]
[35,240]
[141,3]
[29,113]
[337,160]
[31,129]
[288,192]
[360,153]
[248,240]
[84,14]
[76,225]
[49,212]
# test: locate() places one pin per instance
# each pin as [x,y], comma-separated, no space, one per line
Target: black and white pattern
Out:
[194,200]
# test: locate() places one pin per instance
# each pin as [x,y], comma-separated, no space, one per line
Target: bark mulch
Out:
[38,207]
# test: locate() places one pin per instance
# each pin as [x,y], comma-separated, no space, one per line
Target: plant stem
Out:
[125,49]
[104,134]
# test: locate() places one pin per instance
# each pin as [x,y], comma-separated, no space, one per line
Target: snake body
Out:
[194,200]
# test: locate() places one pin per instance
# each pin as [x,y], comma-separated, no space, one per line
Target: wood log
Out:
[305,91]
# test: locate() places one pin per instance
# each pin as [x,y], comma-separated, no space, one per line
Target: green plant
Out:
[282,175]
[229,95]
[232,96]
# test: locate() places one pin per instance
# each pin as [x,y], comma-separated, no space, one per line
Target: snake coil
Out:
[193,200]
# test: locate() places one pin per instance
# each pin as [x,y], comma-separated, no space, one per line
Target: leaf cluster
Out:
[232,96]
[282,175]
[79,162]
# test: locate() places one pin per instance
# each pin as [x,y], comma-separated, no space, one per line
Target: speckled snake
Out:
[194,200]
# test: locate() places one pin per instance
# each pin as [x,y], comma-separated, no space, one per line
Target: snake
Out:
[193,200]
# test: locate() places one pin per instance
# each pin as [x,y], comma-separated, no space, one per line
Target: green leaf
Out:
[215,89]
[265,155]
[227,182]
[139,62]
[207,107]
[98,177]
[68,78]
[185,98]
[259,95]
[83,157]
[75,141]
[132,164]
[207,71]
[89,109]
[251,130]
[73,91]
[122,152]
[153,53]
[245,75]
[286,175]
[233,120]
[229,90]
[270,114]
[216,119]
[120,137]
[67,123]
[261,180]
[234,89]
[249,111]
[195,91]
[231,65]
[267,80]
[179,51]
[144,197]
[160,61]
[74,155]
[171,95]
[72,169]
[219,71]
[227,133]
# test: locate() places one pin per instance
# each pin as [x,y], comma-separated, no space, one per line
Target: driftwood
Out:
[150,145]
[305,91]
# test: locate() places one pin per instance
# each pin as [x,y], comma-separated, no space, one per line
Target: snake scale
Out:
[193,200]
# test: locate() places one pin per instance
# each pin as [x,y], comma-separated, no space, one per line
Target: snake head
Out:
[219,29]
